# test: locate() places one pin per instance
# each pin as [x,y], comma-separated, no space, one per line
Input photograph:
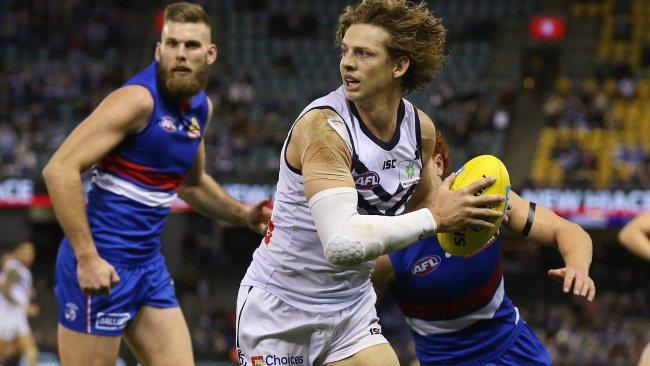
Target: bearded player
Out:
[145,140]
[355,183]
[457,308]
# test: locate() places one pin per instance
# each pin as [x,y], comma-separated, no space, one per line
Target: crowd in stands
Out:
[598,130]
[59,66]
[473,122]
[600,135]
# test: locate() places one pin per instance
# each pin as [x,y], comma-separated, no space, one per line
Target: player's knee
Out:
[31,353]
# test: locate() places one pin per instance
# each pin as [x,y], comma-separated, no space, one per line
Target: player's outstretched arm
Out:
[544,227]
[206,196]
[635,236]
[121,113]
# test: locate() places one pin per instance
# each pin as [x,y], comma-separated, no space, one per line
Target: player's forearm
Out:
[575,246]
[4,290]
[66,192]
[7,295]
[636,241]
[350,239]
[211,200]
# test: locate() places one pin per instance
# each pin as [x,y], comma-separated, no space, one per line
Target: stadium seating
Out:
[624,33]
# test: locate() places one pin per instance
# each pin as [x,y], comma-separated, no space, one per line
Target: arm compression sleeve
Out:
[349,238]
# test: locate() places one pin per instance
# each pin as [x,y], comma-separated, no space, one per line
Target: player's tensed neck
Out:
[380,113]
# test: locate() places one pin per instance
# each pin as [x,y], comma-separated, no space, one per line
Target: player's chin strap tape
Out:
[351,239]
[530,219]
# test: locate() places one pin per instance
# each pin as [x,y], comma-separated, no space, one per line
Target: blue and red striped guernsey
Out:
[133,186]
[456,307]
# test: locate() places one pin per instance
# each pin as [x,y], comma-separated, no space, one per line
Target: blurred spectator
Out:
[284,25]
[622,28]
[473,122]
[627,88]
[645,56]
[241,92]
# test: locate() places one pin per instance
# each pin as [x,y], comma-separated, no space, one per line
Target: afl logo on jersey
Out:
[425,266]
[367,180]
[168,124]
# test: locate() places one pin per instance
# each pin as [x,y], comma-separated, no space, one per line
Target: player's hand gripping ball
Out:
[474,238]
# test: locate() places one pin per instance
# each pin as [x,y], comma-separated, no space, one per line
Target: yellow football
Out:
[472,239]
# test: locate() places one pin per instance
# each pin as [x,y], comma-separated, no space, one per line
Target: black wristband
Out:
[529,220]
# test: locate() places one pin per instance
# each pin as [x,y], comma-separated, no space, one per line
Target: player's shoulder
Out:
[427,127]
[135,97]
[210,106]
[316,121]
[427,133]
[127,108]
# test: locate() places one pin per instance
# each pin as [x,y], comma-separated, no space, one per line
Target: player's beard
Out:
[180,88]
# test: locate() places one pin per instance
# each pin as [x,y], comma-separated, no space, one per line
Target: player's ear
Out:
[439,165]
[157,53]
[400,66]
[212,53]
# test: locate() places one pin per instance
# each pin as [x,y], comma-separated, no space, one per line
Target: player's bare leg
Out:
[26,345]
[82,349]
[7,349]
[160,337]
[378,355]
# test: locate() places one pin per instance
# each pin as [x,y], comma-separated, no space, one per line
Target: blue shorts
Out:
[149,284]
[526,350]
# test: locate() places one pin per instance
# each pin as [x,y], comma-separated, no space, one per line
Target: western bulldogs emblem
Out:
[168,124]
[70,311]
[425,265]
[367,180]
[193,129]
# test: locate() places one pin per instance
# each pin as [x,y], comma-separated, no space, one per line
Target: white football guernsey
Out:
[21,289]
[290,262]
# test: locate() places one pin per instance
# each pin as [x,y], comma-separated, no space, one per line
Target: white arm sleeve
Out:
[349,238]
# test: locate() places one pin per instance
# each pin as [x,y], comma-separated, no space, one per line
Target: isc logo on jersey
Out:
[425,265]
[273,360]
[367,180]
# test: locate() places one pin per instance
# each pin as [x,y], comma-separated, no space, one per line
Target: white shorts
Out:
[273,333]
[13,325]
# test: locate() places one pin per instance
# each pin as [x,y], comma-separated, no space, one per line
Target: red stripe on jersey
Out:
[455,309]
[117,164]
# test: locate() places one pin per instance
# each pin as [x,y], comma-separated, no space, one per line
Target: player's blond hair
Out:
[184,12]
[415,33]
